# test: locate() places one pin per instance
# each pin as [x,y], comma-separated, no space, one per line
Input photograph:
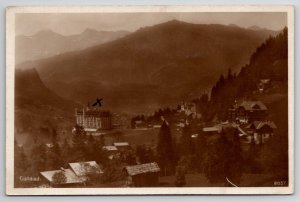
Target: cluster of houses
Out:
[189,109]
[251,120]
[77,174]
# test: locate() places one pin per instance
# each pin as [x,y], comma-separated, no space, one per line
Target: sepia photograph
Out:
[150,100]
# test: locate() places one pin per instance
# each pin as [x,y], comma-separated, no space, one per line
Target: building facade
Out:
[142,175]
[93,118]
[247,112]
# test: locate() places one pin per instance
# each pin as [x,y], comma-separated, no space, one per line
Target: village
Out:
[143,155]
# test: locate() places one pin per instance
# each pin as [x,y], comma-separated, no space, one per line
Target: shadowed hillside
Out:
[37,107]
[155,66]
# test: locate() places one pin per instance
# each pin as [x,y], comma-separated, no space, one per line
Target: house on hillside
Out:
[61,178]
[190,109]
[142,175]
[261,131]
[247,112]
[84,169]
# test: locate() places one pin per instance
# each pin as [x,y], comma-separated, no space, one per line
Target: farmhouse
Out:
[247,112]
[142,175]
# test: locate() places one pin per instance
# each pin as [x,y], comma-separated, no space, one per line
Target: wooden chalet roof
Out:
[142,168]
[211,129]
[253,105]
[110,148]
[121,144]
[84,168]
[71,177]
[259,124]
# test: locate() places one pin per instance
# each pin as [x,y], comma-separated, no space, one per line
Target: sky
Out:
[75,23]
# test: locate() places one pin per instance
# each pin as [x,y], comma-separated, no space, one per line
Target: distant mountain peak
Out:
[89,31]
[255,27]
[233,25]
[46,32]
[175,22]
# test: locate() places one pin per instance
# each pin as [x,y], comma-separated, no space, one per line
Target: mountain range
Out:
[153,67]
[47,43]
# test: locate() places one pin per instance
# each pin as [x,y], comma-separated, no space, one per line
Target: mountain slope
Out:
[47,43]
[36,106]
[154,66]
[268,62]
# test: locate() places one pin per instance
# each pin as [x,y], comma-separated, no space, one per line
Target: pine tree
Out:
[186,140]
[38,158]
[165,149]
[229,75]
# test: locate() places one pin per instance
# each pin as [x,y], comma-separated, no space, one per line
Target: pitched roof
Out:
[253,105]
[121,144]
[84,168]
[211,129]
[70,176]
[94,112]
[142,168]
[110,148]
[90,129]
[259,124]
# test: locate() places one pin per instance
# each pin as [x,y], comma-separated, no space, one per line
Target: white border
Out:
[10,69]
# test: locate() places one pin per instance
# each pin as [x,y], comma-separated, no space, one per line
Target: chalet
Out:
[93,119]
[142,175]
[70,179]
[122,146]
[112,151]
[247,112]
[261,131]
[263,84]
[83,169]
